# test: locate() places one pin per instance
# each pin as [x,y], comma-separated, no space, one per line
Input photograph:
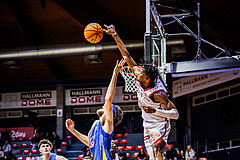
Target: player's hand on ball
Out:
[149,109]
[110,30]
[70,124]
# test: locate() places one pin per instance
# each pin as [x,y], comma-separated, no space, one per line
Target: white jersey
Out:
[155,126]
[144,99]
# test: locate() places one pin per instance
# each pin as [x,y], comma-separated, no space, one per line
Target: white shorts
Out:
[154,132]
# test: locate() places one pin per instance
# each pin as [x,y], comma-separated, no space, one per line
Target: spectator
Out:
[39,131]
[142,155]
[5,135]
[181,156]
[30,157]
[190,153]
[171,153]
[47,136]
[87,155]
[35,141]
[122,155]
[7,149]
[1,153]
[55,140]
[87,152]
[113,153]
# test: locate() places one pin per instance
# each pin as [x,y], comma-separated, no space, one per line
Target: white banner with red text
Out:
[92,96]
[28,99]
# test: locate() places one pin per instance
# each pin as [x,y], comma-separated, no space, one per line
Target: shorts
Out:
[154,132]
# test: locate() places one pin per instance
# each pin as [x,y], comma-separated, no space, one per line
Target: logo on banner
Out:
[129,96]
[36,99]
[86,96]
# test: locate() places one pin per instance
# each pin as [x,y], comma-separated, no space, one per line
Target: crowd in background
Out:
[6,152]
[39,134]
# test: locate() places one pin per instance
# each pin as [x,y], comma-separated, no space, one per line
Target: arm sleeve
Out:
[172,114]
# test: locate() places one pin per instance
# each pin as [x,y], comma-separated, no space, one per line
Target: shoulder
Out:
[95,122]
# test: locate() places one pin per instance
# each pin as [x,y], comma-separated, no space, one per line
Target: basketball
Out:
[93,33]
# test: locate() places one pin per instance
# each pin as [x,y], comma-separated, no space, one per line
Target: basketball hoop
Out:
[129,78]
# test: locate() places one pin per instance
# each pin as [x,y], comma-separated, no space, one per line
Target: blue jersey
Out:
[53,157]
[100,142]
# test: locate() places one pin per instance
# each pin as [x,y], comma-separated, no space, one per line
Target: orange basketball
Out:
[93,33]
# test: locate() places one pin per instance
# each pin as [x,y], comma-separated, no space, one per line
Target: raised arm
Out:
[125,54]
[108,126]
[70,126]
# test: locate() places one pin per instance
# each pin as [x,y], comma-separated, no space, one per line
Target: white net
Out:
[130,80]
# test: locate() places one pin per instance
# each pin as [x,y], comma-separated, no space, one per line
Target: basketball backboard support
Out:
[155,45]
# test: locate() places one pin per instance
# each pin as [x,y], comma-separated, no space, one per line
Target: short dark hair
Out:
[151,72]
[44,141]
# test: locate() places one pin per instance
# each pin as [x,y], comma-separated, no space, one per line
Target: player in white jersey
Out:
[157,109]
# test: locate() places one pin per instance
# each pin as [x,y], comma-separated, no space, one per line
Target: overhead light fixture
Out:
[93,58]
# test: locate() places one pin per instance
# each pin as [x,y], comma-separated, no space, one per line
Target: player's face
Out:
[45,148]
[141,76]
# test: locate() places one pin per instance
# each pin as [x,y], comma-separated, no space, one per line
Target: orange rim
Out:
[126,67]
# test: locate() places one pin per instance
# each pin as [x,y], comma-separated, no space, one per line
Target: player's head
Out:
[118,116]
[117,113]
[151,72]
[45,146]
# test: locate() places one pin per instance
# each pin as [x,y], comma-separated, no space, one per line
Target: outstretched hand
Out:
[119,65]
[110,30]
[70,125]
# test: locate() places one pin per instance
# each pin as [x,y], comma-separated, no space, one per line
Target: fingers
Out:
[69,122]
[122,62]
[106,26]
[105,30]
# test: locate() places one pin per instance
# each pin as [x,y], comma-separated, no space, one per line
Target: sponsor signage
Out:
[87,96]
[36,98]
[191,84]
[91,96]
[124,97]
[20,132]
[29,99]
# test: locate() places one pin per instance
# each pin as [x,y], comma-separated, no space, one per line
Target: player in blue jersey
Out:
[100,136]
[45,147]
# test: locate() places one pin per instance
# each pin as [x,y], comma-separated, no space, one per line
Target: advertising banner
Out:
[191,84]
[20,132]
